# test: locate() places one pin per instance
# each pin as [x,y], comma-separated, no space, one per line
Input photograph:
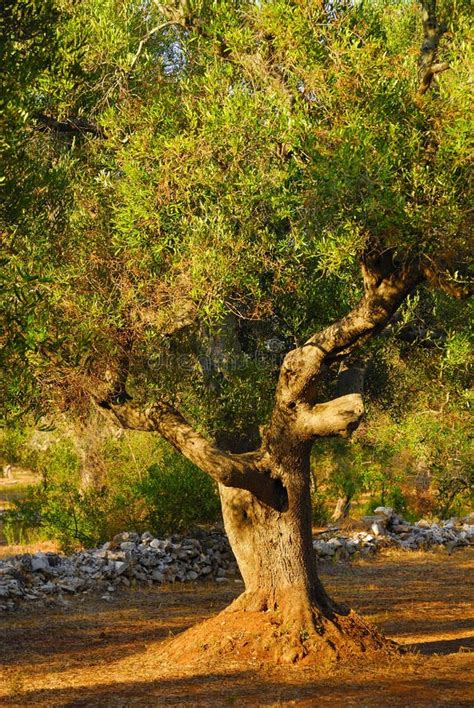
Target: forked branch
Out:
[387,284]
[433,31]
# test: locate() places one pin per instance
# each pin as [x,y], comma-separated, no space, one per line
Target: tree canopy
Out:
[210,211]
[180,171]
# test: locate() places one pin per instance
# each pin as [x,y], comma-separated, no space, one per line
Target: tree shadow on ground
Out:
[445,646]
[98,654]
[248,688]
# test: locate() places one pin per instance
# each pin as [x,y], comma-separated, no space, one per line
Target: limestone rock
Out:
[39,562]
[43,577]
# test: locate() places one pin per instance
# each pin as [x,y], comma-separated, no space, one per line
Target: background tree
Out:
[214,183]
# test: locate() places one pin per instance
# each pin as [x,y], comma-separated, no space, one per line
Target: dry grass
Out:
[6,551]
[98,654]
[16,485]
[11,489]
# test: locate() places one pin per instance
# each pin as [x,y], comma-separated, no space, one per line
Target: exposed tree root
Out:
[278,636]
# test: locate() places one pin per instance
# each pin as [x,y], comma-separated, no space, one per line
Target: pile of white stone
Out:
[130,558]
[387,528]
[126,560]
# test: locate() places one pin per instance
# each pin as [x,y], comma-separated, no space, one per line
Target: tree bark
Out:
[266,493]
[274,549]
[342,508]
[433,31]
[284,615]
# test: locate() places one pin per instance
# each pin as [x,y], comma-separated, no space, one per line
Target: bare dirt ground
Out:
[94,653]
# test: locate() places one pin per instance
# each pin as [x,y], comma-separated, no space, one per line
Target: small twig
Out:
[145,39]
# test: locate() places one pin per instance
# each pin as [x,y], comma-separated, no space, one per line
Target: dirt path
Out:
[95,653]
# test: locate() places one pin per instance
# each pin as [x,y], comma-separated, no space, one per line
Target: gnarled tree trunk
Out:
[342,508]
[284,599]
[284,612]
[273,548]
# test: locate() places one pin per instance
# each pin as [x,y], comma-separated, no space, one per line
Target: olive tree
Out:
[213,180]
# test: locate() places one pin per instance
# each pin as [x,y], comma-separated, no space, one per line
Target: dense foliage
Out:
[192,184]
[144,485]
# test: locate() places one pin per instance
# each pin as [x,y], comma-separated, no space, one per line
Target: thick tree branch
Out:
[340,416]
[244,471]
[337,417]
[385,290]
[71,126]
[428,67]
